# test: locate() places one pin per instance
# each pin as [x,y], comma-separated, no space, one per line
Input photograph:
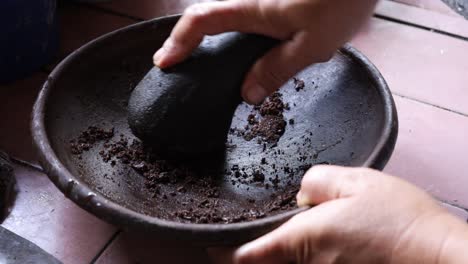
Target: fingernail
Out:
[158,57]
[256,94]
[302,199]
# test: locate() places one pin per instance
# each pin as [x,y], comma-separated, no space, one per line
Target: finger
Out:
[325,183]
[293,242]
[267,249]
[209,19]
[277,66]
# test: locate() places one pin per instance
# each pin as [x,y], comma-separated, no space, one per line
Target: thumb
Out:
[300,240]
[324,183]
[278,65]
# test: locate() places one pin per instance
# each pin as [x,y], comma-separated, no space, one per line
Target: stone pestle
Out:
[186,110]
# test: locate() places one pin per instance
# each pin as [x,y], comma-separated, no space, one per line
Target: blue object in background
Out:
[28,36]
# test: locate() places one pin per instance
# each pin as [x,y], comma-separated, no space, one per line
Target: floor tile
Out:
[15,111]
[79,25]
[418,63]
[427,18]
[431,150]
[147,9]
[434,5]
[44,216]
[134,248]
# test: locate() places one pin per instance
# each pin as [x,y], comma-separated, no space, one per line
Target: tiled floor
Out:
[418,63]
[447,22]
[426,70]
[42,215]
[434,5]
[133,248]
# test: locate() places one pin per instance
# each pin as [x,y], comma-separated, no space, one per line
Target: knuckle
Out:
[321,53]
[271,79]
[304,246]
[315,181]
[363,178]
[247,9]
[195,9]
[304,253]
[312,175]
[318,171]
[195,14]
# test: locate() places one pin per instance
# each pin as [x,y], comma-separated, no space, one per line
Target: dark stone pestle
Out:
[187,110]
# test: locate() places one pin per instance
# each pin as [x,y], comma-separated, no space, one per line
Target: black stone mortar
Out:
[344,115]
[7,185]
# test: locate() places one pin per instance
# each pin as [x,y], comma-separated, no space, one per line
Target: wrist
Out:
[454,249]
[437,237]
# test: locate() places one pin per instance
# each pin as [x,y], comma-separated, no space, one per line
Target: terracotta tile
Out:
[435,5]
[79,25]
[147,9]
[431,150]
[42,215]
[418,63]
[430,19]
[137,248]
[15,111]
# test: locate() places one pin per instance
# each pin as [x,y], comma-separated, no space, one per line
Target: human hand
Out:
[310,30]
[362,216]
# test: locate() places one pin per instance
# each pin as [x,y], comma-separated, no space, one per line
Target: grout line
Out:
[109,11]
[425,8]
[453,204]
[430,104]
[399,21]
[106,246]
